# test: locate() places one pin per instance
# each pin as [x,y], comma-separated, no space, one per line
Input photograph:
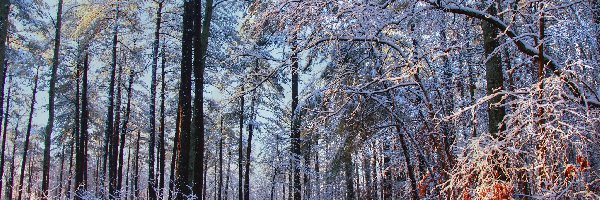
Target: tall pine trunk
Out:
[184,107]
[228,173]
[70,170]
[127,181]
[123,131]
[201,36]
[10,180]
[5,125]
[220,181]
[51,98]
[136,169]
[241,146]
[249,148]
[596,20]
[114,146]
[61,172]
[111,139]
[152,136]
[161,134]
[295,135]
[4,24]
[77,120]
[81,150]
[28,133]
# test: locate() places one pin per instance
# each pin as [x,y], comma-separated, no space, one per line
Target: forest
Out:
[299,99]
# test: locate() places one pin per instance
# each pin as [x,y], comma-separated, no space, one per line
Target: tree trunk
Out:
[77,121]
[349,176]
[5,125]
[114,145]
[241,146]
[70,177]
[386,188]
[81,154]
[28,133]
[368,183]
[494,75]
[220,182]
[172,184]
[4,24]
[29,174]
[448,108]
[184,107]
[124,131]
[111,138]
[10,183]
[249,148]
[409,167]
[161,136]
[204,180]
[127,181]
[61,170]
[152,136]
[228,173]
[494,78]
[4,12]
[136,170]
[596,21]
[201,36]
[295,135]
[51,98]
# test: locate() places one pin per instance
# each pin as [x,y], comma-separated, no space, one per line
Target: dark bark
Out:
[596,20]
[494,75]
[4,24]
[201,36]
[124,130]
[127,181]
[29,174]
[448,107]
[409,167]
[70,170]
[111,139]
[27,134]
[152,136]
[174,160]
[184,106]
[114,148]
[386,188]
[10,180]
[136,170]
[81,154]
[77,121]
[349,176]
[368,183]
[173,163]
[161,133]
[241,146]
[61,171]
[226,192]
[220,181]
[51,99]
[205,170]
[249,148]
[295,135]
[5,125]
